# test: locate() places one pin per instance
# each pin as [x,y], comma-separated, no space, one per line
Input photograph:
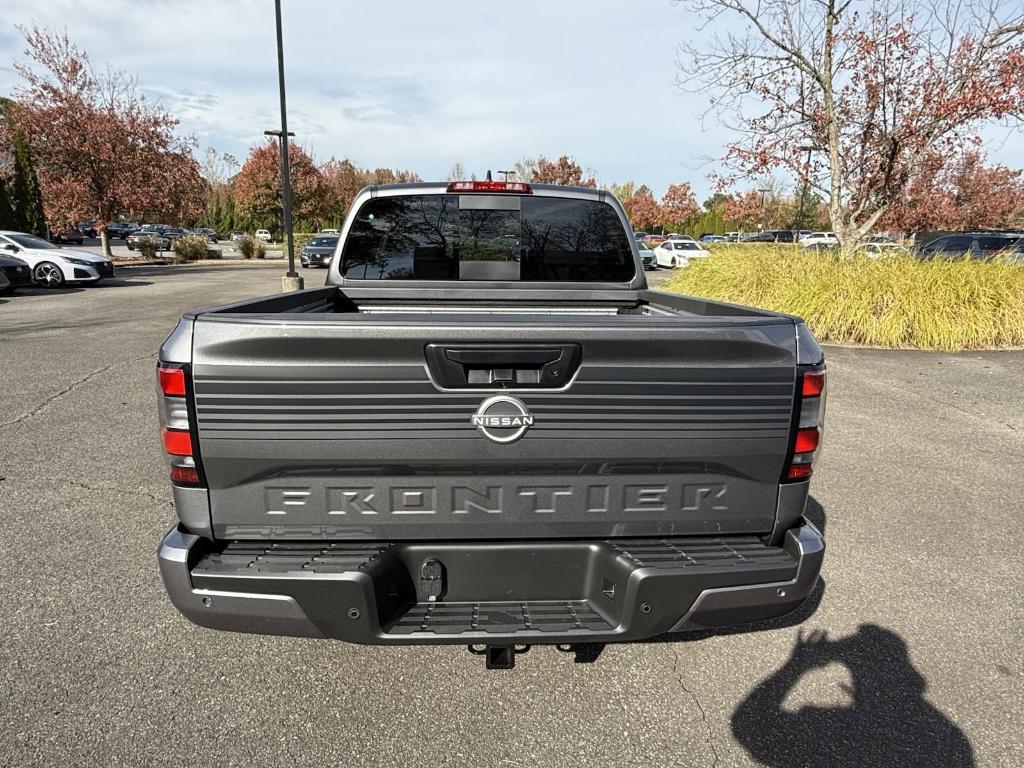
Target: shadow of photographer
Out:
[888,721]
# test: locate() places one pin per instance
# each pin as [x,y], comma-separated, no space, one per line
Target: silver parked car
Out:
[163,243]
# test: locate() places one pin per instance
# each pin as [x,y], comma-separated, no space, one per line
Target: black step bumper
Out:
[492,593]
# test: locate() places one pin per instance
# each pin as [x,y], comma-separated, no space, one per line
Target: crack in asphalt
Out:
[124,492]
[700,707]
[70,388]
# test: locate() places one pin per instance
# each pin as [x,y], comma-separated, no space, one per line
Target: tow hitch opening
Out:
[499,656]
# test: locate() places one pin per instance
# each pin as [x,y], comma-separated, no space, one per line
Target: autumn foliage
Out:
[644,212]
[959,193]
[678,206]
[100,148]
[875,93]
[564,171]
[257,191]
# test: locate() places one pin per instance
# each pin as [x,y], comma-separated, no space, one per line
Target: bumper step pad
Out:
[495,593]
[501,618]
[240,557]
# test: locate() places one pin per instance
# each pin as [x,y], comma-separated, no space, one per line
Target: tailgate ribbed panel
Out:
[605,402]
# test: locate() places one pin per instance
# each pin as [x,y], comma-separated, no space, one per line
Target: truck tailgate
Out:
[337,428]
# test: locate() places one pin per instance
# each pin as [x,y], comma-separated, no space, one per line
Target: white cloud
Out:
[412,85]
[415,85]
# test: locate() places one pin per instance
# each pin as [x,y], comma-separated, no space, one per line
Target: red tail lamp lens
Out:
[807,440]
[185,475]
[799,471]
[172,381]
[814,383]
[177,442]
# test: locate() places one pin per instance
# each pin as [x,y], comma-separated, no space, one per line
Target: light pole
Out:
[291,281]
[760,225]
[281,148]
[507,174]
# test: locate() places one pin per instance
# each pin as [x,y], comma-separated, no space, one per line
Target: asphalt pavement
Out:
[909,654]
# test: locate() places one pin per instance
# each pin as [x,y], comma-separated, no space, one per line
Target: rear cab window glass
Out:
[487,237]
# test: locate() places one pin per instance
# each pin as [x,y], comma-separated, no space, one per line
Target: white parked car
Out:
[881,250]
[53,266]
[823,238]
[677,253]
[263,234]
[330,232]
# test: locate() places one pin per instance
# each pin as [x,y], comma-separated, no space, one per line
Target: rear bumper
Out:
[17,277]
[512,592]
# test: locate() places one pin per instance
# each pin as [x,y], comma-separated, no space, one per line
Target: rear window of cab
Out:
[487,237]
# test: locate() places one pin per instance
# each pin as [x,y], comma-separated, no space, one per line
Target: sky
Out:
[416,85]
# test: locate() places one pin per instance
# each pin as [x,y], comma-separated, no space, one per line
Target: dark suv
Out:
[977,245]
[772,236]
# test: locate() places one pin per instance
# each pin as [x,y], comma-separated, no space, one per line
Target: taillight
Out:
[171,380]
[806,440]
[515,187]
[813,383]
[176,424]
[185,475]
[177,442]
[810,421]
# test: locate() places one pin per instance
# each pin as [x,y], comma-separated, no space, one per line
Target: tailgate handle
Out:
[548,366]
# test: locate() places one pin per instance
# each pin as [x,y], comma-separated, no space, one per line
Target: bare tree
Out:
[457,173]
[874,88]
[217,168]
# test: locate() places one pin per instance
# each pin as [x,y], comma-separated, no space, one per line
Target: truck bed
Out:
[513,299]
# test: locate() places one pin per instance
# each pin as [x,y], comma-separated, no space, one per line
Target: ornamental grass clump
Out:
[147,247]
[890,302]
[189,248]
[251,247]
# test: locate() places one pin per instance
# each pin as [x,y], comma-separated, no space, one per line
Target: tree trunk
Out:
[105,243]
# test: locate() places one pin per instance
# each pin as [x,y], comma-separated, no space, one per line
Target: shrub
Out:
[189,248]
[147,247]
[897,302]
[251,248]
[300,239]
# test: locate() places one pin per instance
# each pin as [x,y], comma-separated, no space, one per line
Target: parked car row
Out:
[164,236]
[670,250]
[26,259]
[977,245]
[123,230]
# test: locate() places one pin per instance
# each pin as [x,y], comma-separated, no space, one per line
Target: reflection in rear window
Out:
[487,237]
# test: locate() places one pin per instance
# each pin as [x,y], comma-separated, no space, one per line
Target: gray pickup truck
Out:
[485,430]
